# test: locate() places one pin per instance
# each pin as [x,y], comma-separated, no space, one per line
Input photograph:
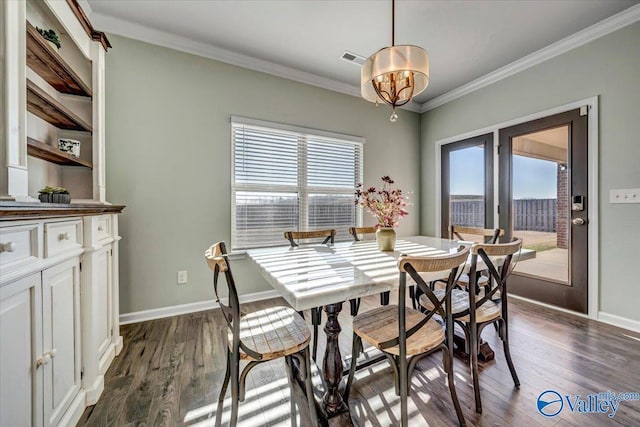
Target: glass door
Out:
[467,183]
[543,189]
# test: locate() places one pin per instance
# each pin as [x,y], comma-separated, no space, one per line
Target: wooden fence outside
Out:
[528,214]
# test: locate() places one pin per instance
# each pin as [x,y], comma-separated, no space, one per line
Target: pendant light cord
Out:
[393,22]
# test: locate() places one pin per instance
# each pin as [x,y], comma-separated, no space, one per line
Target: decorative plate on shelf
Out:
[70,146]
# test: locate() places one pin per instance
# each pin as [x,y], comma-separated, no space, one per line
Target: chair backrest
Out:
[217,260]
[354,231]
[488,235]
[500,275]
[328,234]
[413,266]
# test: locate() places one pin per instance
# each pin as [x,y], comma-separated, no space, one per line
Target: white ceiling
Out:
[465,39]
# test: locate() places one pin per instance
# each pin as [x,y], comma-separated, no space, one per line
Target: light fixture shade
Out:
[395,63]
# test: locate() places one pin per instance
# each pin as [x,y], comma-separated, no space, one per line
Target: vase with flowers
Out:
[388,205]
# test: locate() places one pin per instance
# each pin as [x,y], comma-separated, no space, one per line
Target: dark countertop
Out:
[25,210]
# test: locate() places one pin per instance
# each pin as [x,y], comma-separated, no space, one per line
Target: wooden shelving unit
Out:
[49,109]
[46,152]
[48,64]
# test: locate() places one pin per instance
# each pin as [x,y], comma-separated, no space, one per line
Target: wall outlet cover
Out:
[182,277]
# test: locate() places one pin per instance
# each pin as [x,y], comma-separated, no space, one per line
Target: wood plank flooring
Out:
[170,372]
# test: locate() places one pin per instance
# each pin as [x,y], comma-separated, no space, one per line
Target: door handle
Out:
[578,221]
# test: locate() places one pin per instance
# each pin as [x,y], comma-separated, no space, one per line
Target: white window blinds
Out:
[289,178]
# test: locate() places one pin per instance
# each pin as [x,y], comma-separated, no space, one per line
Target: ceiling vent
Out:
[353,58]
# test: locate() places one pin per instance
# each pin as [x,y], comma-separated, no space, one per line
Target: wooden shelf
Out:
[50,110]
[46,152]
[44,60]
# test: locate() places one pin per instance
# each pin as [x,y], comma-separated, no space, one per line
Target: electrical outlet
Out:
[182,277]
[629,195]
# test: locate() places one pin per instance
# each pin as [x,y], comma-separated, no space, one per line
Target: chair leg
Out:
[309,387]
[316,320]
[223,390]
[288,360]
[447,359]
[507,353]
[404,390]
[356,346]
[235,387]
[473,358]
[384,298]
[355,306]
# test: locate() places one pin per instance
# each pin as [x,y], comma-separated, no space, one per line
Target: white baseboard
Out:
[552,307]
[193,307]
[621,322]
[610,319]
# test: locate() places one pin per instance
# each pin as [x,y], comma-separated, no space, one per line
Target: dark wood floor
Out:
[170,372]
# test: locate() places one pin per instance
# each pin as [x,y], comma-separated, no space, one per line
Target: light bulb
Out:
[394,117]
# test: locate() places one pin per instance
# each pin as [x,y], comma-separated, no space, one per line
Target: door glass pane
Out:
[540,203]
[466,187]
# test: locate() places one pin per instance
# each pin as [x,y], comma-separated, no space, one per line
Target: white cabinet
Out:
[40,352]
[20,327]
[61,341]
[59,325]
[101,340]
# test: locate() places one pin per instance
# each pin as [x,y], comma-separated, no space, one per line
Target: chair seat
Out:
[463,280]
[381,324]
[460,302]
[274,332]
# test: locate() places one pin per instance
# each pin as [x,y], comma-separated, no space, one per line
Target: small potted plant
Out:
[50,36]
[54,195]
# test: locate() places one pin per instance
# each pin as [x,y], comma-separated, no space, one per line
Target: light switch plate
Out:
[628,195]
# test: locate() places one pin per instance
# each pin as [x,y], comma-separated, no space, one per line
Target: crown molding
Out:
[166,39]
[600,29]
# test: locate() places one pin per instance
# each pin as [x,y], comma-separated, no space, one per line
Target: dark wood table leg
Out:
[336,410]
[485,354]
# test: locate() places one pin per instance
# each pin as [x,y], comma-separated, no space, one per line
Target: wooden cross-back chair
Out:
[488,236]
[473,313]
[406,335]
[316,312]
[292,236]
[257,337]
[356,231]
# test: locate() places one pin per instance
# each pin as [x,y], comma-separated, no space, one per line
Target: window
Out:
[291,178]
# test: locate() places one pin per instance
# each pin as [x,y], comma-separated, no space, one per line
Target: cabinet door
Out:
[61,338]
[104,298]
[20,305]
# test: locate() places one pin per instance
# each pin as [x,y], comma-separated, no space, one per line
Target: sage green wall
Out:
[608,67]
[168,159]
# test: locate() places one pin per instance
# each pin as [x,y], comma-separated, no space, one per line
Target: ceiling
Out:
[465,39]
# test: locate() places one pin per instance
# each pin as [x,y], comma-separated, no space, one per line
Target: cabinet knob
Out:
[100,228]
[53,352]
[43,360]
[63,236]
[7,247]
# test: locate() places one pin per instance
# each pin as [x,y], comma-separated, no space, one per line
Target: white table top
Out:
[316,275]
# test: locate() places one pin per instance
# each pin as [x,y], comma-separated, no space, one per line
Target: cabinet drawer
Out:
[103,227]
[62,236]
[18,244]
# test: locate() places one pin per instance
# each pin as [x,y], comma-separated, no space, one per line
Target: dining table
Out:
[310,276]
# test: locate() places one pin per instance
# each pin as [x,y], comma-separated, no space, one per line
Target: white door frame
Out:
[592,210]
